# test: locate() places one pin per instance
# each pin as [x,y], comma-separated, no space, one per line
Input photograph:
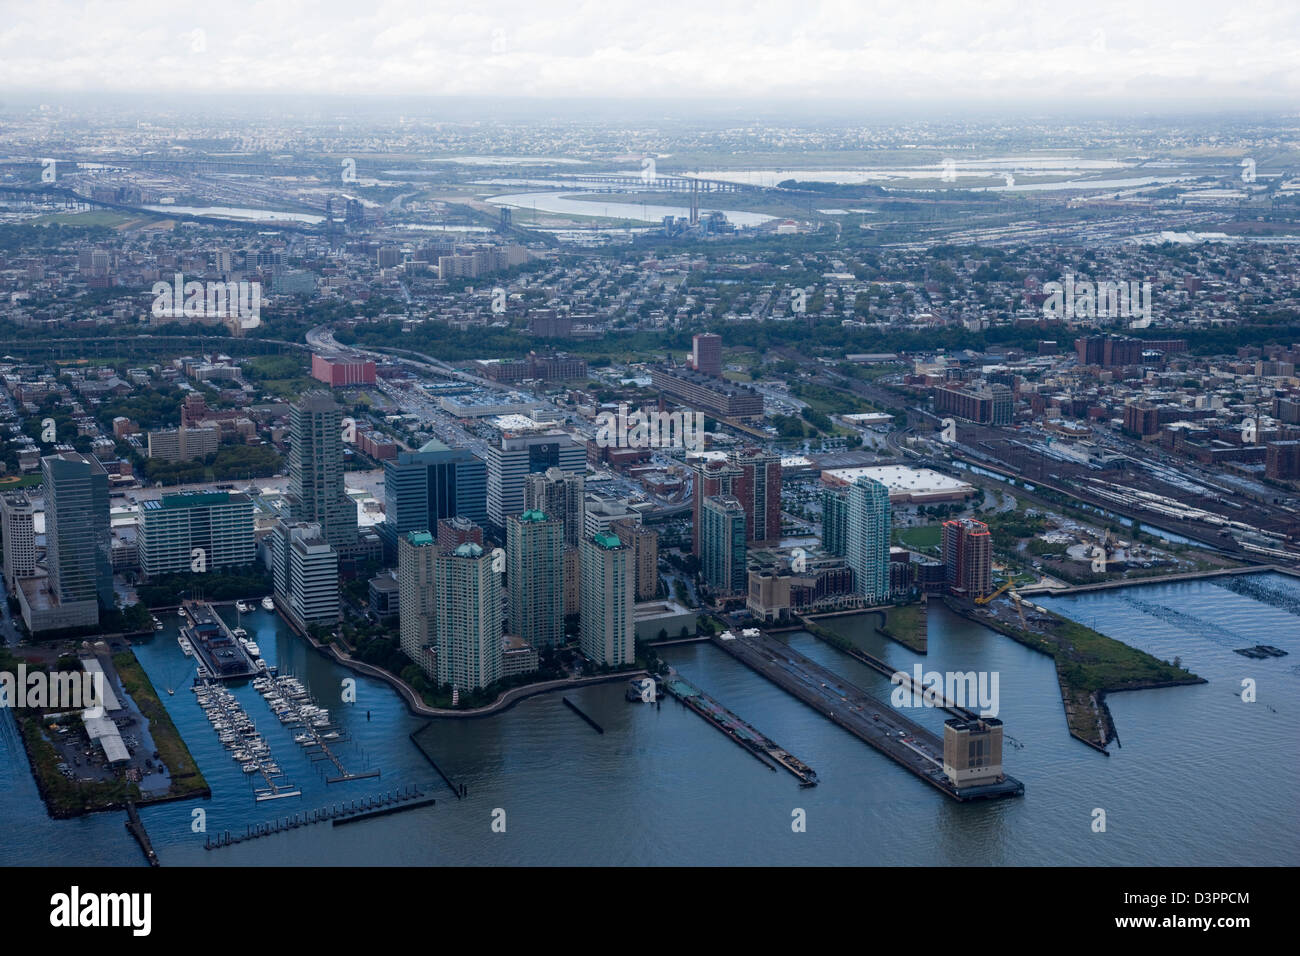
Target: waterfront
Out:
[1200,778]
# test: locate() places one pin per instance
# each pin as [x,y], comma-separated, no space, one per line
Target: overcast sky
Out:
[1221,53]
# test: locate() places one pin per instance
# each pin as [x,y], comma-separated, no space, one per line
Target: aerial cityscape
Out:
[487,476]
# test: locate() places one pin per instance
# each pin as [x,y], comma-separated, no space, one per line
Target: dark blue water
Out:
[1201,778]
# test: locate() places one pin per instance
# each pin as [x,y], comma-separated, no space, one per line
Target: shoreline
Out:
[165,737]
[1076,699]
[417,707]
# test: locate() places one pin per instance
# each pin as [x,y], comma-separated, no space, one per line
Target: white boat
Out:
[330,736]
[241,607]
[180,612]
[239,632]
[302,738]
[268,604]
[250,767]
[186,647]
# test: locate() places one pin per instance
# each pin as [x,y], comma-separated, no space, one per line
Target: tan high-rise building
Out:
[417,606]
[572,582]
[972,751]
[535,566]
[560,495]
[468,624]
[645,555]
[608,601]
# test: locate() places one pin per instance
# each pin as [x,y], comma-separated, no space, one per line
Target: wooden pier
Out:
[136,827]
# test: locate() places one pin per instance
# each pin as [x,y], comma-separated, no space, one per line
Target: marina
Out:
[293,706]
[238,734]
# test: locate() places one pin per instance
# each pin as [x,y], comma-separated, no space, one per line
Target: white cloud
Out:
[943,50]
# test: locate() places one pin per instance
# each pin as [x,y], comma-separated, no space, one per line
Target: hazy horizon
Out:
[1165,56]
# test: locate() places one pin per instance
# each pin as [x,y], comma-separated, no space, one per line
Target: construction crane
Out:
[986,600]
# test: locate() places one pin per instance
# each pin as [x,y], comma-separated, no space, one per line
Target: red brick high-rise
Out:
[754,478]
[968,557]
[706,354]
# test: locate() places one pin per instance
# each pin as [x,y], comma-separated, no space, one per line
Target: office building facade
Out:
[722,545]
[517,456]
[218,524]
[421,488]
[316,489]
[78,542]
[305,570]
[868,529]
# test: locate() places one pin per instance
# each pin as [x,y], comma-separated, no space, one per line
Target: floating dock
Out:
[294,707]
[878,724]
[739,731]
[238,734]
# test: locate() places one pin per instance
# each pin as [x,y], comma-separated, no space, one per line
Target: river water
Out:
[1201,777]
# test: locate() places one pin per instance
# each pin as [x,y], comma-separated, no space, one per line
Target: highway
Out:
[412,399]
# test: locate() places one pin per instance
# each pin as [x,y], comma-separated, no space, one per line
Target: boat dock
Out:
[742,733]
[904,741]
[238,734]
[295,708]
[408,798]
[221,655]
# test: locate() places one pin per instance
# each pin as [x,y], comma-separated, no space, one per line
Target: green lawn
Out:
[924,538]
